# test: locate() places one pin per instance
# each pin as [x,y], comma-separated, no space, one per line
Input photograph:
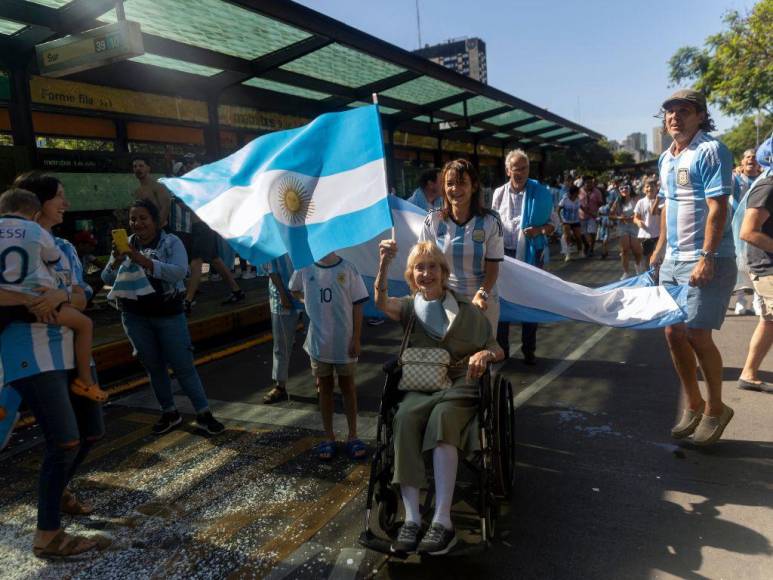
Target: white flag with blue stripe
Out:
[307,191]
[528,294]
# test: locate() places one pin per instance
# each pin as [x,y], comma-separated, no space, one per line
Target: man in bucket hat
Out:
[696,175]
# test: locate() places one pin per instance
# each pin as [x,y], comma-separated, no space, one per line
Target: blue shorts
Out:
[706,306]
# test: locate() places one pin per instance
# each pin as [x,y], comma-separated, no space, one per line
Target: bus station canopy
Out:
[281,56]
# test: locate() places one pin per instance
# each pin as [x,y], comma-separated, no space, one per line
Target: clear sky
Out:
[601,63]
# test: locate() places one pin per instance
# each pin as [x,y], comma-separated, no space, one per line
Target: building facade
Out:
[466,56]
[660,140]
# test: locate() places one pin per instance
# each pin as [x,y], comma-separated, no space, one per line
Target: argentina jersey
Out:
[329,294]
[703,170]
[27,255]
[467,247]
[30,349]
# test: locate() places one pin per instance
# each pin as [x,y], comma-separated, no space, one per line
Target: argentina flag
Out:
[305,192]
[528,294]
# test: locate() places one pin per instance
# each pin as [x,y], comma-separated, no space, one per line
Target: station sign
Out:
[91,49]
[455,125]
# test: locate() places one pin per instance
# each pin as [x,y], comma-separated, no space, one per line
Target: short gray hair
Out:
[751,152]
[515,153]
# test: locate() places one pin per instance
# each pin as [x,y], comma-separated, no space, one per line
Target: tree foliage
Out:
[744,135]
[623,157]
[735,67]
[587,158]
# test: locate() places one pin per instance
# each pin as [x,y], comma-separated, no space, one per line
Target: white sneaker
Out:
[625,276]
[567,258]
[740,309]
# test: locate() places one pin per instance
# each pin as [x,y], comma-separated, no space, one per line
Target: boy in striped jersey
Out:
[333,293]
[27,254]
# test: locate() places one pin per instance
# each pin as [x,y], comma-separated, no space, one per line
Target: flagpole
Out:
[386,183]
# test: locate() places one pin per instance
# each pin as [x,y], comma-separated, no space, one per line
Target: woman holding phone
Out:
[155,322]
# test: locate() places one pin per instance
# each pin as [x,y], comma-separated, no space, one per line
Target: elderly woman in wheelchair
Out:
[437,421]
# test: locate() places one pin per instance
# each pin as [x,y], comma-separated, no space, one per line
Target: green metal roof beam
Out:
[270,61]
[434,108]
[366,92]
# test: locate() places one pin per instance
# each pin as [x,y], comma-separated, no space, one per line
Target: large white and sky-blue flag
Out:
[307,191]
[528,294]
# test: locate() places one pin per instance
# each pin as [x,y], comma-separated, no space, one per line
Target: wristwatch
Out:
[709,255]
[483,293]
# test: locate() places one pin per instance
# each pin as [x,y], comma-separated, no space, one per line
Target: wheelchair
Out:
[485,478]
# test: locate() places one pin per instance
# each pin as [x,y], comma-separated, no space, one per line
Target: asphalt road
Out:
[601,489]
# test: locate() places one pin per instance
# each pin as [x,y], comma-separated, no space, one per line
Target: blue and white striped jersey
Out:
[569,210]
[27,255]
[467,247]
[31,349]
[329,293]
[703,170]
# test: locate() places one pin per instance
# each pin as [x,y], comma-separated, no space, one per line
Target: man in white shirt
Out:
[525,233]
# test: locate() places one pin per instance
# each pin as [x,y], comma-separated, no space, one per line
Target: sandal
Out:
[64,546]
[90,391]
[326,450]
[356,449]
[275,395]
[71,506]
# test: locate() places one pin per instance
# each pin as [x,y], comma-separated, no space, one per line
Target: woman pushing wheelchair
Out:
[449,344]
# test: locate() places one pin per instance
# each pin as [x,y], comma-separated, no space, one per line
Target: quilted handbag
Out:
[423,369]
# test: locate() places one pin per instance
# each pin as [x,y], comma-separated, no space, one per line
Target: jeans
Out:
[528,329]
[283,328]
[161,342]
[71,425]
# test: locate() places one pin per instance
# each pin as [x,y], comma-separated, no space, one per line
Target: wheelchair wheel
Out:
[490,519]
[503,437]
[387,507]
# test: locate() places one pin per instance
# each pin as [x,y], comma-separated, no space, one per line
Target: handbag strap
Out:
[406,336]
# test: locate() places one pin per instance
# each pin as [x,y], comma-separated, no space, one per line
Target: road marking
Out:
[542,382]
[272,415]
[347,564]
[307,521]
[307,552]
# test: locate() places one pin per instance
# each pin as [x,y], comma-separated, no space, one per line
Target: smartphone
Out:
[121,240]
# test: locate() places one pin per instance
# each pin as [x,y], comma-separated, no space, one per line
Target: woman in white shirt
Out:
[623,213]
[646,215]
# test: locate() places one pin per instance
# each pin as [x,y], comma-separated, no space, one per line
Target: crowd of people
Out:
[676,223]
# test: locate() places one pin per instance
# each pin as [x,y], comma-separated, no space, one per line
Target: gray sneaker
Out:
[437,541]
[687,424]
[407,539]
[711,428]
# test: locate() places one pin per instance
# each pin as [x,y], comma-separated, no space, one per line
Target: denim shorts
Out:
[706,306]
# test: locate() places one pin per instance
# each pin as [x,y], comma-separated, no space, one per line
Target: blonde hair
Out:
[430,250]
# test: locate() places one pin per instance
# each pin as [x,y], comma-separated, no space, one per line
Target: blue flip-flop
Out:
[326,450]
[353,449]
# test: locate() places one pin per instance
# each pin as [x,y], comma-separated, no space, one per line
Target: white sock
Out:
[741,300]
[445,460]
[411,503]
[757,304]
